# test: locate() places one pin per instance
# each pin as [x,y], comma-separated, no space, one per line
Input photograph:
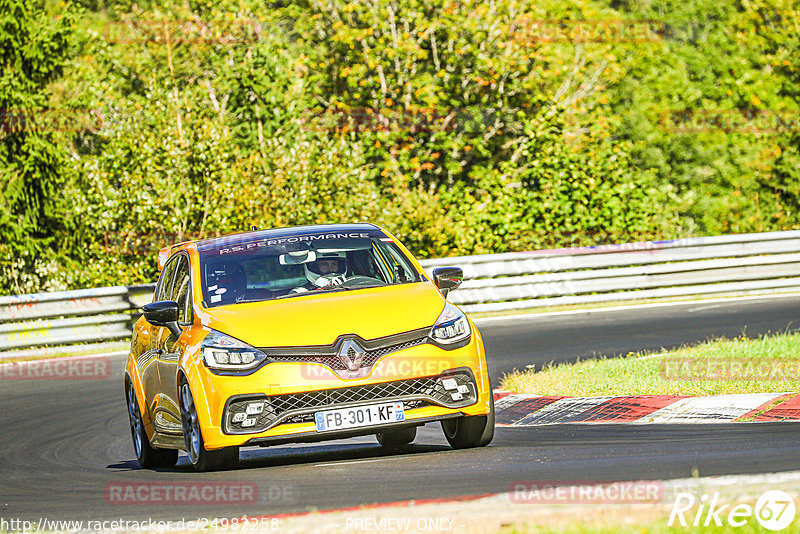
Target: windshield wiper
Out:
[325,290]
[290,295]
[311,292]
[351,288]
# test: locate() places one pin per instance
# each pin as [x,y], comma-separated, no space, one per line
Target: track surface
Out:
[63,442]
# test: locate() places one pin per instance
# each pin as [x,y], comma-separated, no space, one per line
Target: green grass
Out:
[770,364]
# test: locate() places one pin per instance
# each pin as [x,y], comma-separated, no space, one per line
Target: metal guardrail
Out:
[763,262]
[69,317]
[737,264]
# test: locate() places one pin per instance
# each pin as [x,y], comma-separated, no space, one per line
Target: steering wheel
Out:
[362,281]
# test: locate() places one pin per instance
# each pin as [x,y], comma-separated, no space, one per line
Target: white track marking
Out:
[557,411]
[511,400]
[776,479]
[353,462]
[703,308]
[717,408]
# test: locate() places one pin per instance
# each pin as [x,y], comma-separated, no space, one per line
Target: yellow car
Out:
[301,334]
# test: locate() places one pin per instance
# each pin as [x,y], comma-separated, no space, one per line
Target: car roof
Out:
[276,233]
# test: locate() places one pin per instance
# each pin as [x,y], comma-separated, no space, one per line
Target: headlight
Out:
[226,353]
[451,326]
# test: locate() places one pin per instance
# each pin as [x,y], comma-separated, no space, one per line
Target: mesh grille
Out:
[333,361]
[300,407]
[332,397]
[372,356]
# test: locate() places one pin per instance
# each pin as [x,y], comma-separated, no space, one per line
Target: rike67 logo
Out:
[774,510]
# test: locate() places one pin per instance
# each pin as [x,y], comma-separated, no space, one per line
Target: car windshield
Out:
[268,268]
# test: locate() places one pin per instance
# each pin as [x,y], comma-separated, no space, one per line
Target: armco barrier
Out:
[69,317]
[744,263]
[736,264]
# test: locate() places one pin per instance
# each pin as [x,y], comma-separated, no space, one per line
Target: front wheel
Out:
[470,431]
[202,459]
[147,455]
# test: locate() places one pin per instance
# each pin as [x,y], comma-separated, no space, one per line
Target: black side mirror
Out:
[447,278]
[163,313]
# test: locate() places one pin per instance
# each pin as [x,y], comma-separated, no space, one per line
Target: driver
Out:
[328,269]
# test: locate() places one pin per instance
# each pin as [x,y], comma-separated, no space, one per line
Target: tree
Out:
[33,49]
[778,24]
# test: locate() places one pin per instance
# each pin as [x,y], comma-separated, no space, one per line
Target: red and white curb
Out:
[518,410]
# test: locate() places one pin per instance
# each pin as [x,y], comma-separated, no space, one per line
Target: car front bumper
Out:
[292,392]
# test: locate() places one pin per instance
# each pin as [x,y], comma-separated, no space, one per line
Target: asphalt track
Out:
[63,443]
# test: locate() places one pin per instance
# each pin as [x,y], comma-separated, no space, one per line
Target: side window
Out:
[402,270]
[393,264]
[379,261]
[165,283]
[180,291]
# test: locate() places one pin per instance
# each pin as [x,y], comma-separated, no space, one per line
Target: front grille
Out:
[267,411]
[333,361]
[373,349]
[372,356]
[353,395]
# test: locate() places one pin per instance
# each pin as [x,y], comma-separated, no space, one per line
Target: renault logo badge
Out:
[351,354]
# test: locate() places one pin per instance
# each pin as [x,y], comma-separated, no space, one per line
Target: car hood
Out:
[318,319]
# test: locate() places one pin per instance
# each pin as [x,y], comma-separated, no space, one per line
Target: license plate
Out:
[374,414]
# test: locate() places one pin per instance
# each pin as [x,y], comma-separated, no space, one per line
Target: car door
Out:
[171,348]
[148,364]
[159,335]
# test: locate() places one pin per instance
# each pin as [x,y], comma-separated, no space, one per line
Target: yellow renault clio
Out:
[301,334]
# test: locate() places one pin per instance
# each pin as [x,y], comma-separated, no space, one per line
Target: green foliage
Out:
[33,214]
[453,124]
[716,60]
[457,107]
[778,26]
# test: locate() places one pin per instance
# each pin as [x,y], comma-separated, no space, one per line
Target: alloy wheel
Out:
[191,426]
[135,419]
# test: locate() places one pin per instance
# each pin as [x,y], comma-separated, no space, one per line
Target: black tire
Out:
[397,437]
[147,455]
[202,459]
[470,431]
